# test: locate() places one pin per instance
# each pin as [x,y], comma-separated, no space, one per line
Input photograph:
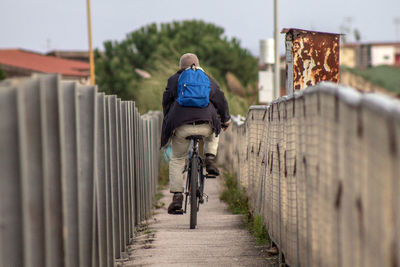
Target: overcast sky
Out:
[43,25]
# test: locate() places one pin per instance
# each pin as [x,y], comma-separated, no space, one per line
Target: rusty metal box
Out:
[311,57]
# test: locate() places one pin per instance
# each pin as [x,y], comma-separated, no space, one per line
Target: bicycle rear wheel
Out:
[193,192]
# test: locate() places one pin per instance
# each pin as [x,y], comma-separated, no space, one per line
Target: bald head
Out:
[188,60]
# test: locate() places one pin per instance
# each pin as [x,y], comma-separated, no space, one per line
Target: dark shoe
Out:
[211,166]
[176,205]
[273,250]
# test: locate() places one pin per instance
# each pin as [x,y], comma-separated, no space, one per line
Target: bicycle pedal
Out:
[211,176]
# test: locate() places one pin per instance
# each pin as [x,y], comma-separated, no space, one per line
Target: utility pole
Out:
[396,22]
[91,58]
[276,66]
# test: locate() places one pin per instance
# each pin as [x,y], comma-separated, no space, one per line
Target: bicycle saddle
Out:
[193,137]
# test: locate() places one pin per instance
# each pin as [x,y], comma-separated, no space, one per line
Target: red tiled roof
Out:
[41,63]
[395,44]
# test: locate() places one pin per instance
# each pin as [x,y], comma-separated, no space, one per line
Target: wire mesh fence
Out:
[78,171]
[322,168]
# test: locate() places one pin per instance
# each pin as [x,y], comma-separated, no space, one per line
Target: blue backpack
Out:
[193,88]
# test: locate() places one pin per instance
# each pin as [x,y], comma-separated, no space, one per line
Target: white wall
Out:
[382,55]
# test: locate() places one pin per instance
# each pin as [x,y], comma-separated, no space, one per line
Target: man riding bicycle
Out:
[182,121]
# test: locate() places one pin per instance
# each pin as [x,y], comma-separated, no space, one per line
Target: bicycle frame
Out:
[195,155]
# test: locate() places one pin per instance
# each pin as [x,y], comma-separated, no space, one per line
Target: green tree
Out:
[154,44]
[2,75]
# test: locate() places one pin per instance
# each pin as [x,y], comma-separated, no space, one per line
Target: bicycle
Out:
[195,180]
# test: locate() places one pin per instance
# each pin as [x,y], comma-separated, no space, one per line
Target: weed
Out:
[258,229]
[238,203]
[149,231]
[234,196]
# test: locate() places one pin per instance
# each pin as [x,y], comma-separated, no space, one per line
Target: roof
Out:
[396,44]
[41,63]
[286,30]
[351,45]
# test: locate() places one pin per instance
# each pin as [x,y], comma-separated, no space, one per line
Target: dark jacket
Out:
[176,115]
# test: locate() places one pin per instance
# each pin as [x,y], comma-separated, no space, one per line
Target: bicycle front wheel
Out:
[193,192]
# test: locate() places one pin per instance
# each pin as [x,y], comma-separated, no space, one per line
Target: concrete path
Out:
[218,240]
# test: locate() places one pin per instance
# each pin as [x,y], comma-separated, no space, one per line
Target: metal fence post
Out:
[49,91]
[109,181]
[86,154]
[131,168]
[142,172]
[11,238]
[101,181]
[114,174]
[69,162]
[31,172]
[120,177]
[129,173]
[137,168]
[146,177]
[125,169]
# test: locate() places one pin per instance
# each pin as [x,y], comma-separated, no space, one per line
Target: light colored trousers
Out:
[180,149]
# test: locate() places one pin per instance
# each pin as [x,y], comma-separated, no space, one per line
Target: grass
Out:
[238,203]
[149,231]
[234,196]
[385,76]
[258,229]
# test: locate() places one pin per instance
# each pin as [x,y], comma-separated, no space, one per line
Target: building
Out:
[19,63]
[348,56]
[364,55]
